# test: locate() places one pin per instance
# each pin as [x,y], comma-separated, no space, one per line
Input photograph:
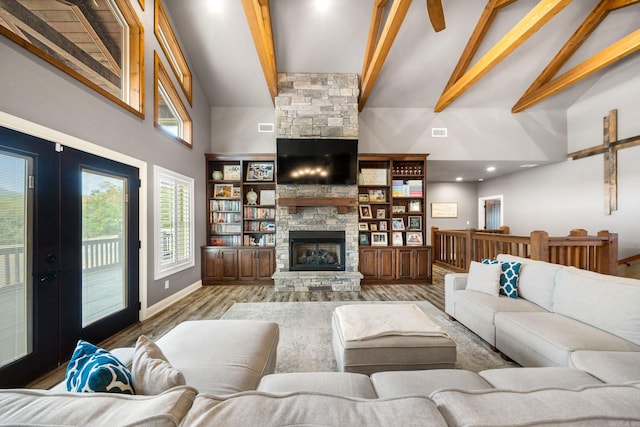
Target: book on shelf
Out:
[412,188]
[259,226]
[415,187]
[226,228]
[259,240]
[259,213]
[224,205]
[225,240]
[225,217]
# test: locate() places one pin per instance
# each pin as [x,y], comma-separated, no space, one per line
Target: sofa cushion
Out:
[222,356]
[547,339]
[92,369]
[616,367]
[598,405]
[43,407]
[346,384]
[510,272]
[423,383]
[151,371]
[533,378]
[484,278]
[606,302]
[536,281]
[307,409]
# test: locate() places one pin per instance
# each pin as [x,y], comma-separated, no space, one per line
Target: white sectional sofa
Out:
[560,313]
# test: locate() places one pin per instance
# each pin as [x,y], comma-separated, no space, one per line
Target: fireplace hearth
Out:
[316,251]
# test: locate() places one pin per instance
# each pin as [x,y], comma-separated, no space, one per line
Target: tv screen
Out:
[317,161]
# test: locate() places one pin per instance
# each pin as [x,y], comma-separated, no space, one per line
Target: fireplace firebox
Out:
[316,251]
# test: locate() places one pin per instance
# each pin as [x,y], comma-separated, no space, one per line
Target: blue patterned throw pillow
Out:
[93,369]
[508,276]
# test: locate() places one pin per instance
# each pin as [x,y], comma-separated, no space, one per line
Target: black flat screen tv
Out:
[317,161]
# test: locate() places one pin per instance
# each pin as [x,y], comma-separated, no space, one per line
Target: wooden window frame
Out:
[172,50]
[162,77]
[135,104]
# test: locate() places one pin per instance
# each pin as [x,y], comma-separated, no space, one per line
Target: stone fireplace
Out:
[317,106]
[316,251]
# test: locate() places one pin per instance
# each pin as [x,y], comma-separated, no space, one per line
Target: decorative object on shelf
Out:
[231,172]
[260,171]
[415,205]
[217,175]
[381,213]
[414,238]
[362,197]
[383,225]
[374,227]
[363,239]
[444,210]
[397,239]
[377,195]
[398,209]
[374,176]
[415,223]
[363,226]
[379,239]
[252,197]
[223,190]
[365,211]
[397,224]
[267,197]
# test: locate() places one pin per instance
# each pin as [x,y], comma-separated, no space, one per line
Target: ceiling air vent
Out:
[265,127]
[439,132]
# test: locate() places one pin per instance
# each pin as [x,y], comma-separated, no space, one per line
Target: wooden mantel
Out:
[342,203]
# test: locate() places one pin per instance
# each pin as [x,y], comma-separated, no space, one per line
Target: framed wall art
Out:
[444,210]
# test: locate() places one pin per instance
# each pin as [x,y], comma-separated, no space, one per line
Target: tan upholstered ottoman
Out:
[397,337]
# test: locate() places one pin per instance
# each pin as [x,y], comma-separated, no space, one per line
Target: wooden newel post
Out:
[504,229]
[578,232]
[435,242]
[468,248]
[539,245]
[608,253]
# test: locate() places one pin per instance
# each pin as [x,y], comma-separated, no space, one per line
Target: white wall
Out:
[464,194]
[570,194]
[39,93]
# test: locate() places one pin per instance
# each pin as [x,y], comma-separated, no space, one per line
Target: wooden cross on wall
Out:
[609,148]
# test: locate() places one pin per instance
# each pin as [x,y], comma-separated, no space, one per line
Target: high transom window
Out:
[171,116]
[99,42]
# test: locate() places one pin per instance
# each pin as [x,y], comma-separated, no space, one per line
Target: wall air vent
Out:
[265,127]
[439,132]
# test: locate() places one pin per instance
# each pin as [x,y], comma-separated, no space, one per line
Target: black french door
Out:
[68,253]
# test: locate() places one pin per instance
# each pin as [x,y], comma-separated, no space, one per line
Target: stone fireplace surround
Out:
[317,105]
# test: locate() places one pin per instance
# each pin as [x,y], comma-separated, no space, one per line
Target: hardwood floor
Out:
[211,302]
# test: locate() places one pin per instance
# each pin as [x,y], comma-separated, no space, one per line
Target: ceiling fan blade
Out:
[436,14]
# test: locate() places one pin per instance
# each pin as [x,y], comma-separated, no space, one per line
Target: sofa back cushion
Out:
[309,409]
[536,280]
[607,302]
[597,405]
[43,407]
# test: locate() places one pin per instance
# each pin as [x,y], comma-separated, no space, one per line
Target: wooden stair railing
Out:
[457,248]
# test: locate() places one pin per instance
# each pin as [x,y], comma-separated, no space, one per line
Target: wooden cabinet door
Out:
[386,263]
[368,264]
[210,265]
[422,266]
[406,263]
[265,264]
[246,261]
[228,264]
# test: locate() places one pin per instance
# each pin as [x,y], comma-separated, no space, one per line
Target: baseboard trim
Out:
[158,307]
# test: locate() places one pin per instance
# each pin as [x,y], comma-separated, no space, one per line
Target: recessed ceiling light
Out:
[491,168]
[529,165]
[480,179]
[322,5]
[216,5]
[459,178]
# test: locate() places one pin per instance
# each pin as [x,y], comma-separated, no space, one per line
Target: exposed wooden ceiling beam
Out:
[529,25]
[92,21]
[591,22]
[259,19]
[618,50]
[436,15]
[392,25]
[374,33]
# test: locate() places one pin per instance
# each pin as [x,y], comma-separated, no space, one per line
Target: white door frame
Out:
[481,216]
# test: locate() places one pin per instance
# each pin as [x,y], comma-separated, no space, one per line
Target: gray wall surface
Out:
[36,91]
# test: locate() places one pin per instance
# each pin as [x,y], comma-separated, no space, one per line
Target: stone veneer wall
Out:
[317,106]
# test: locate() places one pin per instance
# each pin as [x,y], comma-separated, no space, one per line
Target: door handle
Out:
[49,276]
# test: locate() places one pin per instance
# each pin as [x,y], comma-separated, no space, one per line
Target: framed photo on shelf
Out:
[383,225]
[236,192]
[365,211]
[373,176]
[381,213]
[415,223]
[267,197]
[260,171]
[379,239]
[397,209]
[223,190]
[397,224]
[363,239]
[415,205]
[231,173]
[377,195]
[362,197]
[363,226]
[414,238]
[397,239]
[374,227]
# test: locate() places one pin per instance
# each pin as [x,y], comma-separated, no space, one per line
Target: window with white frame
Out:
[174,227]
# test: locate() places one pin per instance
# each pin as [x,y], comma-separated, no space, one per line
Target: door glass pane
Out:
[15,278]
[103,246]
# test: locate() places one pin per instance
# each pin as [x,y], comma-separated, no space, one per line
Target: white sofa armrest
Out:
[453,282]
